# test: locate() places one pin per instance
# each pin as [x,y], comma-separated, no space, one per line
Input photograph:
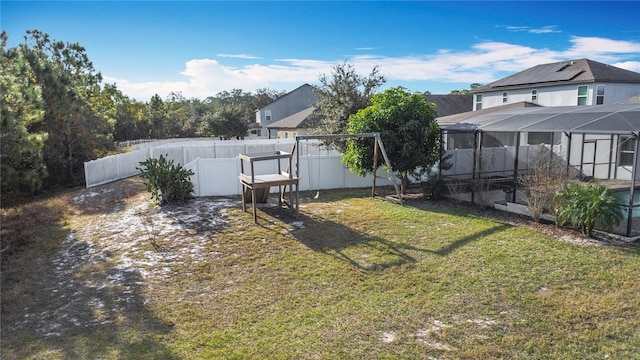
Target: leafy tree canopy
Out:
[21,159]
[341,95]
[466,91]
[408,130]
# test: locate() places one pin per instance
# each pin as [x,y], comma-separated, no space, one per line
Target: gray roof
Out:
[299,88]
[451,104]
[295,121]
[456,118]
[631,100]
[598,119]
[565,72]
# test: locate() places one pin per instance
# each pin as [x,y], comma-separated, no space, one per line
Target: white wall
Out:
[561,95]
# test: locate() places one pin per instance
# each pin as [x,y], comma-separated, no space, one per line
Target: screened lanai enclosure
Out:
[492,154]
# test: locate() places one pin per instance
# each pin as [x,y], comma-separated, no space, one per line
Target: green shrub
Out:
[167,182]
[587,206]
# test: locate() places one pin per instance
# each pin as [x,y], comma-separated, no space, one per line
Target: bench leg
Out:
[244,200]
[253,200]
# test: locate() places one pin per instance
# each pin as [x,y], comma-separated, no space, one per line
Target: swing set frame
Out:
[377,145]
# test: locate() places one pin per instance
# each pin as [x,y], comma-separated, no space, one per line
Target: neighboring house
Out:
[293,102]
[292,126]
[451,104]
[566,83]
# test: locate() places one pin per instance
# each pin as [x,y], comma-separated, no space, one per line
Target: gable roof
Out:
[451,104]
[295,121]
[285,95]
[564,72]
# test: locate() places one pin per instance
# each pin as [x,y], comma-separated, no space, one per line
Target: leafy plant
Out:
[434,187]
[587,206]
[167,182]
[407,127]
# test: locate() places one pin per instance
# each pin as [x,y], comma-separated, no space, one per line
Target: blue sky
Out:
[200,48]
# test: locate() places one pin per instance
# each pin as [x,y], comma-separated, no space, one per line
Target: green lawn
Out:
[365,279]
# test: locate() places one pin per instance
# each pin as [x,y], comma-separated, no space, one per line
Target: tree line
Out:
[56,113]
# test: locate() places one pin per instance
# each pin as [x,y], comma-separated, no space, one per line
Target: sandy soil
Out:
[121,243]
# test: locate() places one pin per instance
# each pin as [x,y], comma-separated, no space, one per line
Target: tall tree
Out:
[341,95]
[227,121]
[79,130]
[158,118]
[21,108]
[407,127]
[130,121]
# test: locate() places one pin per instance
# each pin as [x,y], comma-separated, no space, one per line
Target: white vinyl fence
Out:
[219,177]
[217,167]
[498,161]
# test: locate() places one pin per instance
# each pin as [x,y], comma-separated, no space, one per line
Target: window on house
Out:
[537,138]
[582,95]
[600,95]
[627,148]
[479,102]
[267,115]
[534,95]
[505,97]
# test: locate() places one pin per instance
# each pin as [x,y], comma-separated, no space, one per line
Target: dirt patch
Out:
[120,242]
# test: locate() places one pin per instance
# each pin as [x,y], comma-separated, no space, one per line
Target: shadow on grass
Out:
[361,250]
[77,304]
[108,198]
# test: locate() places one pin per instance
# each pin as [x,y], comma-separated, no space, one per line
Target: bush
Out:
[587,206]
[167,182]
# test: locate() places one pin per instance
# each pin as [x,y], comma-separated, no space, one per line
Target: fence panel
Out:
[226,151]
[203,151]
[101,171]
[218,177]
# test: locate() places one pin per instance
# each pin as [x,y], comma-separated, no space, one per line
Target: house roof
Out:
[631,100]
[565,72]
[597,119]
[451,104]
[295,121]
[456,118]
[283,96]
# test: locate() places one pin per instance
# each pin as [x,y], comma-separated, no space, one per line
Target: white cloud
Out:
[545,30]
[238,56]
[629,65]
[484,62]
[598,45]
[542,30]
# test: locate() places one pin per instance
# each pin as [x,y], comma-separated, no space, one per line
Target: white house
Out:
[566,83]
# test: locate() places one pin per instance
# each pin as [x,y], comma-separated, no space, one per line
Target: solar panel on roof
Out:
[561,75]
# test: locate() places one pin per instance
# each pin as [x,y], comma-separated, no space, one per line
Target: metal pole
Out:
[515,167]
[375,166]
[633,183]
[582,157]
[568,135]
[476,135]
[611,148]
